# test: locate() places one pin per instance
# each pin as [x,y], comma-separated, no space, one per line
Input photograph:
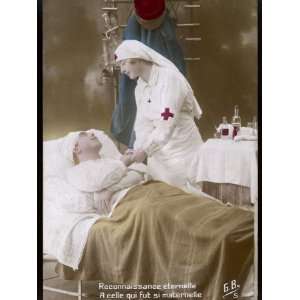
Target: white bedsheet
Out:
[68,217]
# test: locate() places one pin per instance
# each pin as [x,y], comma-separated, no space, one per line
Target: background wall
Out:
[226,75]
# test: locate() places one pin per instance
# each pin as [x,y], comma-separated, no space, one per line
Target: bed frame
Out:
[79,294]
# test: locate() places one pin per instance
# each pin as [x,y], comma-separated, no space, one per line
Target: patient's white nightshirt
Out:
[93,176]
[96,175]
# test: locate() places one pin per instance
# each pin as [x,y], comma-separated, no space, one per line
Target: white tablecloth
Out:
[227,161]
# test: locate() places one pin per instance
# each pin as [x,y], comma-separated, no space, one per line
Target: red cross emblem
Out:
[167,114]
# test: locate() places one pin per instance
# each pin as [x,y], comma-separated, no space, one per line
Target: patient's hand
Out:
[102,201]
[139,155]
[129,151]
[127,159]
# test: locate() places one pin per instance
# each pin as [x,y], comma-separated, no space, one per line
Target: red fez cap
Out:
[149,9]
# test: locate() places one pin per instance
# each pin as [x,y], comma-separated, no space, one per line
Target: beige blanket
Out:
[159,234]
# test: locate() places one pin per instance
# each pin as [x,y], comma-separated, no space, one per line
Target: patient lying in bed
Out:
[101,177]
[156,234]
[82,186]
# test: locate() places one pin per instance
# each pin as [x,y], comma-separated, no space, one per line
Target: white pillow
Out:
[55,164]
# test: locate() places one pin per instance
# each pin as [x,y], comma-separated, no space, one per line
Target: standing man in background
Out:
[151,25]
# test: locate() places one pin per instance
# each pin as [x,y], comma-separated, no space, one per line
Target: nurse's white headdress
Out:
[134,49]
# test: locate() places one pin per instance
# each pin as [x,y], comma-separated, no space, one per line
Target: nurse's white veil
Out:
[135,49]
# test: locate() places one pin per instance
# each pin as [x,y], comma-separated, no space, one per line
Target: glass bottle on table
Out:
[236,121]
[224,129]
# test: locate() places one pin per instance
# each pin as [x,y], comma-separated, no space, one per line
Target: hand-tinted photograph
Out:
[150,118]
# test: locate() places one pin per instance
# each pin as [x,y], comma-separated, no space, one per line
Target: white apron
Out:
[165,127]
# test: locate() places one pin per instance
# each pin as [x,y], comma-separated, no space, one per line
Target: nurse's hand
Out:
[139,155]
[127,159]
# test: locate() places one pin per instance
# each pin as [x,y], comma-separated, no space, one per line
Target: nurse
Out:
[166,133]
[152,25]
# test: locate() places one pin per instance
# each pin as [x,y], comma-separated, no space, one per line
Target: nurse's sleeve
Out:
[142,126]
[173,95]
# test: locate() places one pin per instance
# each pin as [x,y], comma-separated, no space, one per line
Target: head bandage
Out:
[68,145]
[130,49]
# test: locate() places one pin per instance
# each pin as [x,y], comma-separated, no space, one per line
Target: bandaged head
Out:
[68,145]
[81,143]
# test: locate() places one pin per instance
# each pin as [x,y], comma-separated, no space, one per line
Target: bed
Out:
[159,234]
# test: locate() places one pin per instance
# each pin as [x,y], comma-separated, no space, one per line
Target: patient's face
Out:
[88,142]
